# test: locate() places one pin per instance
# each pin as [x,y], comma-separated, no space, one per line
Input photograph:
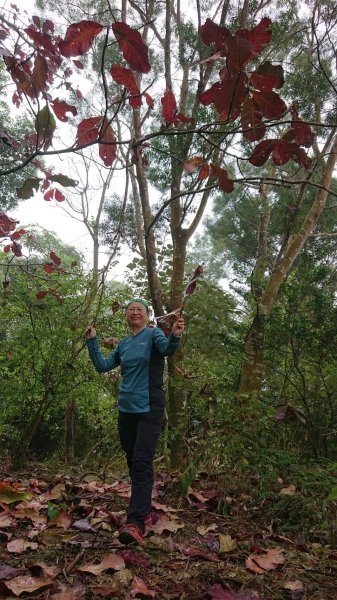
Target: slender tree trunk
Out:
[69,431]
[19,458]
[252,369]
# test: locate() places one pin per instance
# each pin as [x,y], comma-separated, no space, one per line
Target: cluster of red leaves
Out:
[251,98]
[35,74]
[239,94]
[7,227]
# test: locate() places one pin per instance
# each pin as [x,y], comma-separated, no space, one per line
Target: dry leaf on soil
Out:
[20,545]
[109,561]
[140,587]
[76,591]
[7,572]
[294,586]
[203,529]
[227,544]
[217,592]
[26,583]
[108,589]
[289,491]
[6,520]
[260,563]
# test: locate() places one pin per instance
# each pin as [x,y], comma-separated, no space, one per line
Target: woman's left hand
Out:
[178,326]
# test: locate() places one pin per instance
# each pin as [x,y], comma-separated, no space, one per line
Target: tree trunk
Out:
[19,457]
[69,431]
[252,369]
[177,415]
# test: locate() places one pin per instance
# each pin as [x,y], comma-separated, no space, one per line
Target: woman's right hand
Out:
[90,332]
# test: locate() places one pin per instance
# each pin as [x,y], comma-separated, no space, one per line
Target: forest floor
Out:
[58,541]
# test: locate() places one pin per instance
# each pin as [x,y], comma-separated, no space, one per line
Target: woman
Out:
[140,403]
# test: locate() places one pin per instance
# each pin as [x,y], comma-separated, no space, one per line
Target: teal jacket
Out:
[141,358]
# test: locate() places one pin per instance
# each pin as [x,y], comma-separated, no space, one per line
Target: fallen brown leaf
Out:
[110,561]
[20,545]
[26,583]
[271,559]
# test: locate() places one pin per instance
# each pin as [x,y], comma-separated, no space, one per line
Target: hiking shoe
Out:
[130,533]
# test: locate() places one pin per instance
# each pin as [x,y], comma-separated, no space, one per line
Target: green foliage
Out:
[44,360]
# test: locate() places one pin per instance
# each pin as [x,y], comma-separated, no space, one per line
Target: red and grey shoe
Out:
[130,533]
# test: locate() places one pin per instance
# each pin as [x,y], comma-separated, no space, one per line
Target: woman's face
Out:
[136,315]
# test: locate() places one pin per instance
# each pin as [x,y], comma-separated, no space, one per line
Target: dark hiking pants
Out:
[138,433]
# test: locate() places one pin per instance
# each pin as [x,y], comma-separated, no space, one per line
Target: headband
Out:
[141,301]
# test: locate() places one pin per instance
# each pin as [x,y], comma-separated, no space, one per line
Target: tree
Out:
[9,131]
[200,138]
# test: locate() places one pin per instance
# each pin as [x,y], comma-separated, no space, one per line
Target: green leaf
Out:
[333,494]
[27,189]
[63,180]
[45,126]
[53,511]
[9,495]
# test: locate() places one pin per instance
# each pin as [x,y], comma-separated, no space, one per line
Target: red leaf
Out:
[204,173]
[17,249]
[259,36]
[169,105]
[78,64]
[229,96]
[108,146]
[135,101]
[79,38]
[49,268]
[124,77]
[6,224]
[220,174]
[181,117]
[59,197]
[300,156]
[267,77]
[189,289]
[48,25]
[130,42]
[262,152]
[88,130]
[211,33]
[49,195]
[17,234]
[240,52]
[303,132]
[149,100]
[16,100]
[7,248]
[37,21]
[40,39]
[271,104]
[206,98]
[192,164]
[55,258]
[251,118]
[40,73]
[135,558]
[281,152]
[60,108]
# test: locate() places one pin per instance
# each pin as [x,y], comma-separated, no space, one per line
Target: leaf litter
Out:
[59,541]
